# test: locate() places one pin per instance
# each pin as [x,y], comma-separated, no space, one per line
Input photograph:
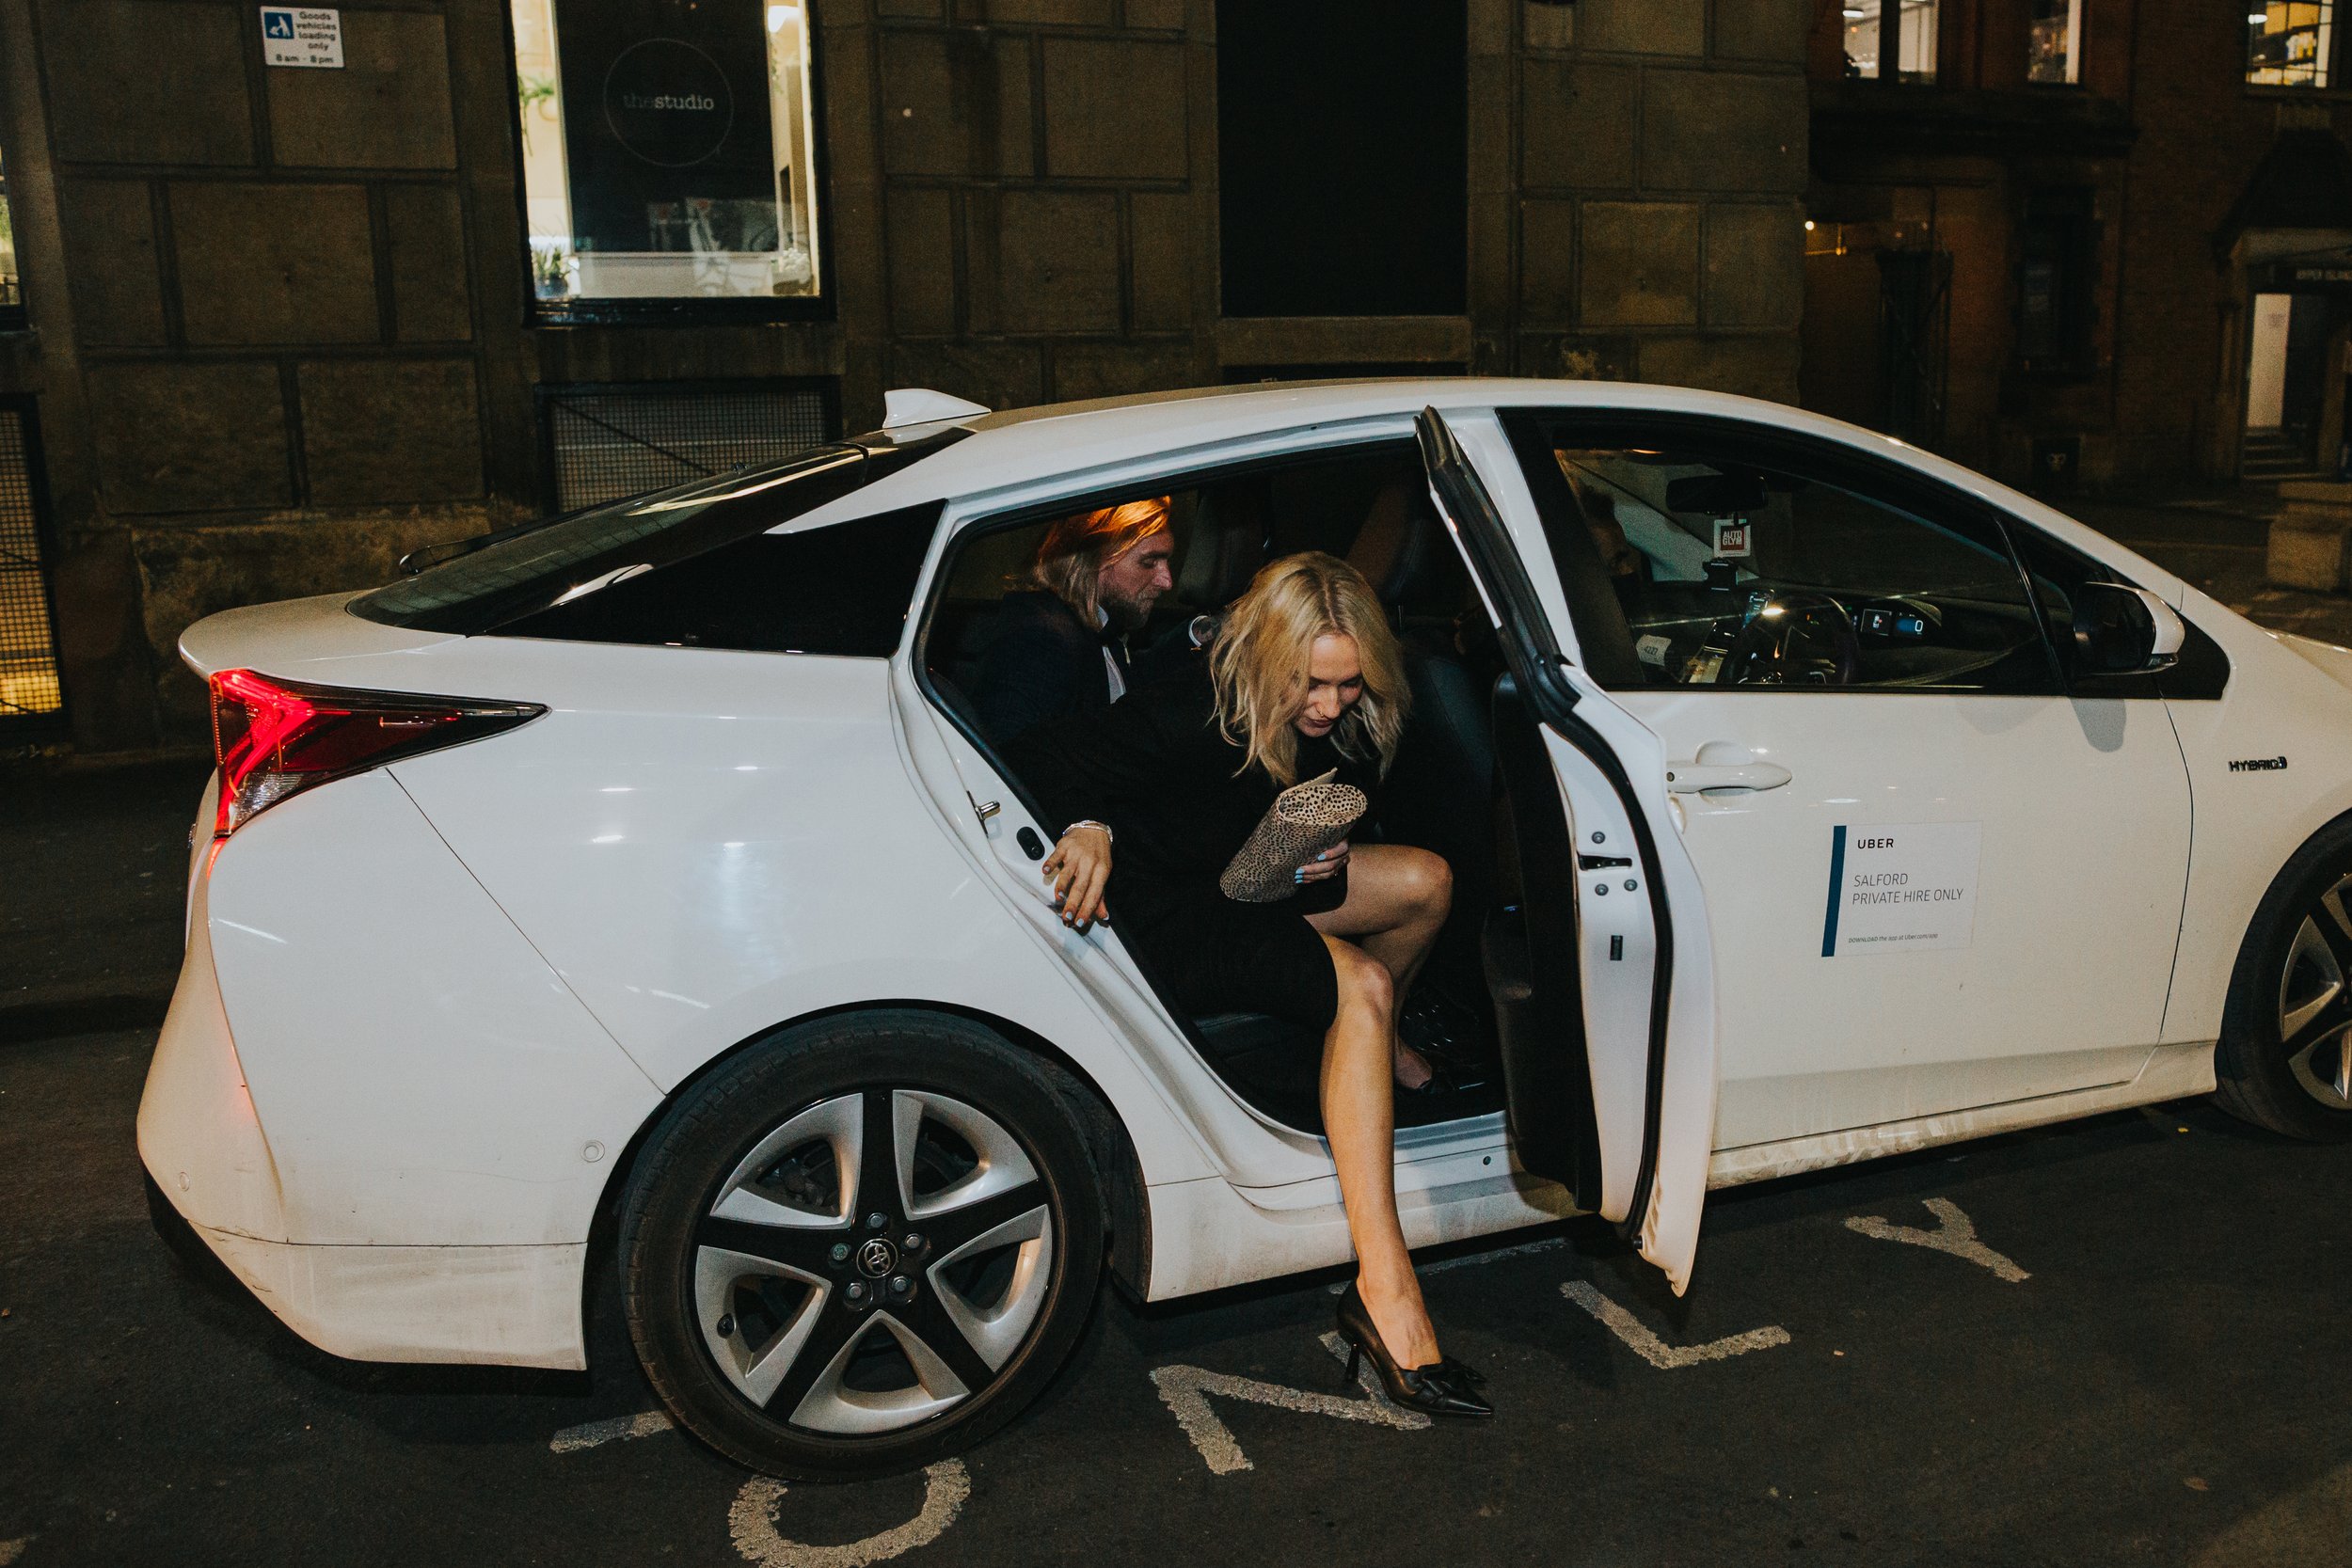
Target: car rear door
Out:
[1599,961]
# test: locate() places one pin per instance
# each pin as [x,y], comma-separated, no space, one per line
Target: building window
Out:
[2055,46]
[11,292]
[2288,42]
[666,150]
[1891,40]
[2058,281]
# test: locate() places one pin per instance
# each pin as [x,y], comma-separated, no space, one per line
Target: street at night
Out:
[2154,1391]
[1354,782]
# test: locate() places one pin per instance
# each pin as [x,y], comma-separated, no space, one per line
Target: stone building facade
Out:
[2056,274]
[280,325]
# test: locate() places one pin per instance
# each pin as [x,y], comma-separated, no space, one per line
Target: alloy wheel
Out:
[2315,999]
[873,1262]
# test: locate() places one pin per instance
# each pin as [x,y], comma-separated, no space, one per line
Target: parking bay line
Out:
[1955,1233]
[618,1430]
[1187,1390]
[1655,1351]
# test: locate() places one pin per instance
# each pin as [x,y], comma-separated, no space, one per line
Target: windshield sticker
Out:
[1910,887]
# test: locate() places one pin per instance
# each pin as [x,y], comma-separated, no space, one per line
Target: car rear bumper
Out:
[372,1101]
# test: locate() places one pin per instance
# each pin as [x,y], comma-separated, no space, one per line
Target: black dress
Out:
[1178,803]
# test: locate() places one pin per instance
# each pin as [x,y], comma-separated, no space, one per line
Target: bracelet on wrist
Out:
[1108,837]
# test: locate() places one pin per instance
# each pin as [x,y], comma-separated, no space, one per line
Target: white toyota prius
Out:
[636,890]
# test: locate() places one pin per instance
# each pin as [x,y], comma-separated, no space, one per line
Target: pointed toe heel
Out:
[1445,1387]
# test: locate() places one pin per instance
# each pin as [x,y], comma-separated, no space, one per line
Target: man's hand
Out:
[1078,868]
[1325,865]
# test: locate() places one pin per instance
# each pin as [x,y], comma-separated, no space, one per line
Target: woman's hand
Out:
[1078,868]
[1325,865]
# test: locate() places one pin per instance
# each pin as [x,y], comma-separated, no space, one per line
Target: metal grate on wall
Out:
[601,443]
[28,643]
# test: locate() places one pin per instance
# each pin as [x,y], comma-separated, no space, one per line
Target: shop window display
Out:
[2290,43]
[1891,40]
[12,296]
[666,148]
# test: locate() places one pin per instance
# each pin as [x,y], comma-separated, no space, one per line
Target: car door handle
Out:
[1720,764]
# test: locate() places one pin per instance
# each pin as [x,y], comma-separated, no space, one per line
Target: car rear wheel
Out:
[2285,1057]
[861,1244]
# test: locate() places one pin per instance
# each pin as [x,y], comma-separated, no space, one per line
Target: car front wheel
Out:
[861,1244]
[2285,1057]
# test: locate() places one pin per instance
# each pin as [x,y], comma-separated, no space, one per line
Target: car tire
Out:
[791,1332]
[2285,1061]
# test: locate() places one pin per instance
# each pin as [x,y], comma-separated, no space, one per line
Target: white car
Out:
[638,891]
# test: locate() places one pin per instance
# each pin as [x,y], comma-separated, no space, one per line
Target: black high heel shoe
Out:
[1448,1387]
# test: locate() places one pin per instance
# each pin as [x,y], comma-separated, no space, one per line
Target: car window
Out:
[1716,563]
[571,561]
[844,590]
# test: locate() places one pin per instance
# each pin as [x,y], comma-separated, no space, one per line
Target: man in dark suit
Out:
[1061,642]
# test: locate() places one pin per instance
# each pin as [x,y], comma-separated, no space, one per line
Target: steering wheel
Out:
[1794,639]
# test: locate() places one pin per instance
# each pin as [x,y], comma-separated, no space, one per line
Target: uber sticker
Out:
[1911,887]
[1731,539]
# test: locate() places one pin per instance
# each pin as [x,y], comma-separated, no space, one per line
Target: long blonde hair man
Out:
[1072,557]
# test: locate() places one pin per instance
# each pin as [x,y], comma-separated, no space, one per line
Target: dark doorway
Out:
[1343,158]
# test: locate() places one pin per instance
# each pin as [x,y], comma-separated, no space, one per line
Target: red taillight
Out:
[276,739]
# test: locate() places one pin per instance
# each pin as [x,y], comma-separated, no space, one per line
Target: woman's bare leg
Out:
[1397,901]
[1360,1122]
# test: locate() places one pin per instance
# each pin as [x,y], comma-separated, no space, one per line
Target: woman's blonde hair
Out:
[1259,663]
[1071,557]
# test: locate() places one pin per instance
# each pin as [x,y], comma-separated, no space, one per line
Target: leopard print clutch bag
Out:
[1305,819]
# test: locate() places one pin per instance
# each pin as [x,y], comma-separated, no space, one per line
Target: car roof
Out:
[1020,445]
[1069,438]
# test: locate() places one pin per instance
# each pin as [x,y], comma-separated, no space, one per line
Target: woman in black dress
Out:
[1304,677]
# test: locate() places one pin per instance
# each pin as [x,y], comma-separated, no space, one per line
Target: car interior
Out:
[1730,574]
[1369,504]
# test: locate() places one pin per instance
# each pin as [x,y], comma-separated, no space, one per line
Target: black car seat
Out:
[1440,795]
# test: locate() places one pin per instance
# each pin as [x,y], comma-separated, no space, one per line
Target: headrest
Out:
[1225,546]
[1402,545]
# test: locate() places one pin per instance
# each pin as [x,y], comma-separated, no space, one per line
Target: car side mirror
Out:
[2119,629]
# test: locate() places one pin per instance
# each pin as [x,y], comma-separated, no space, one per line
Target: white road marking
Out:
[11,1550]
[752,1521]
[1954,1233]
[1658,1354]
[1187,1390]
[1552,1244]
[619,1429]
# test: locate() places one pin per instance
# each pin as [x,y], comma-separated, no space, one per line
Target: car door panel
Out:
[2062,985]
[2076,807]
[1641,958]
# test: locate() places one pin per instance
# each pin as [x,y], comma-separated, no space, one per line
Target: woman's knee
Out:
[1364,980]
[1429,883]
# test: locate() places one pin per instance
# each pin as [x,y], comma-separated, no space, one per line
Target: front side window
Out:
[1891,40]
[1712,561]
[2289,42]
[2054,44]
[666,150]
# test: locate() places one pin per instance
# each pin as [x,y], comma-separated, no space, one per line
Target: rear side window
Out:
[519,577]
[838,590]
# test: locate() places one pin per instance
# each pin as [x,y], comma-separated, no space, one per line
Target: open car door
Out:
[1598,956]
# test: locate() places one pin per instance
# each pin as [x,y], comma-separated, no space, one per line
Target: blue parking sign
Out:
[277,24]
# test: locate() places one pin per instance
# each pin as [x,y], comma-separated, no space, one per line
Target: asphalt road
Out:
[2142,1360]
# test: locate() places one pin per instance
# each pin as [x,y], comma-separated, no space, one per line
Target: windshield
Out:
[575,556]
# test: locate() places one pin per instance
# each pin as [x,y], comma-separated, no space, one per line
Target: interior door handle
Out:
[1720,764]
